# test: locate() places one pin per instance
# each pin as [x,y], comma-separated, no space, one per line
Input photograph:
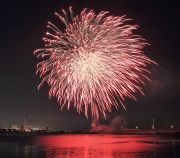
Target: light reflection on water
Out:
[92,146]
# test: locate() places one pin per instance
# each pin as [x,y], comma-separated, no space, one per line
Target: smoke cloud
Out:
[114,125]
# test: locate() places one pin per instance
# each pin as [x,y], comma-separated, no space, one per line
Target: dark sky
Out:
[23,23]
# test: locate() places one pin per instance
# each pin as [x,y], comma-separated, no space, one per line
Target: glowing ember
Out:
[95,63]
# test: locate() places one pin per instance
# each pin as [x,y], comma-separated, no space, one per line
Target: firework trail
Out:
[95,63]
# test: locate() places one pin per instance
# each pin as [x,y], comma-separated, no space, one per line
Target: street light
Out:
[153,126]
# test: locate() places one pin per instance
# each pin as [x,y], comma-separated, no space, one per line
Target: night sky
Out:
[23,23]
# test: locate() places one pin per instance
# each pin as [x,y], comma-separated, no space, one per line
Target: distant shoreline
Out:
[14,133]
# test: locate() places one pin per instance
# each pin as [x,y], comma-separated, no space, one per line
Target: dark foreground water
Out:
[91,146]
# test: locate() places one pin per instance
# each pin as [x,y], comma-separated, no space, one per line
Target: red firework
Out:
[95,63]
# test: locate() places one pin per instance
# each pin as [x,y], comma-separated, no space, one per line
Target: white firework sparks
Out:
[95,63]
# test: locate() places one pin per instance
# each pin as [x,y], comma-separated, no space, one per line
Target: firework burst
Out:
[95,63]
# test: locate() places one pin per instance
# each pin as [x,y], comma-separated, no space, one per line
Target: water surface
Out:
[91,146]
